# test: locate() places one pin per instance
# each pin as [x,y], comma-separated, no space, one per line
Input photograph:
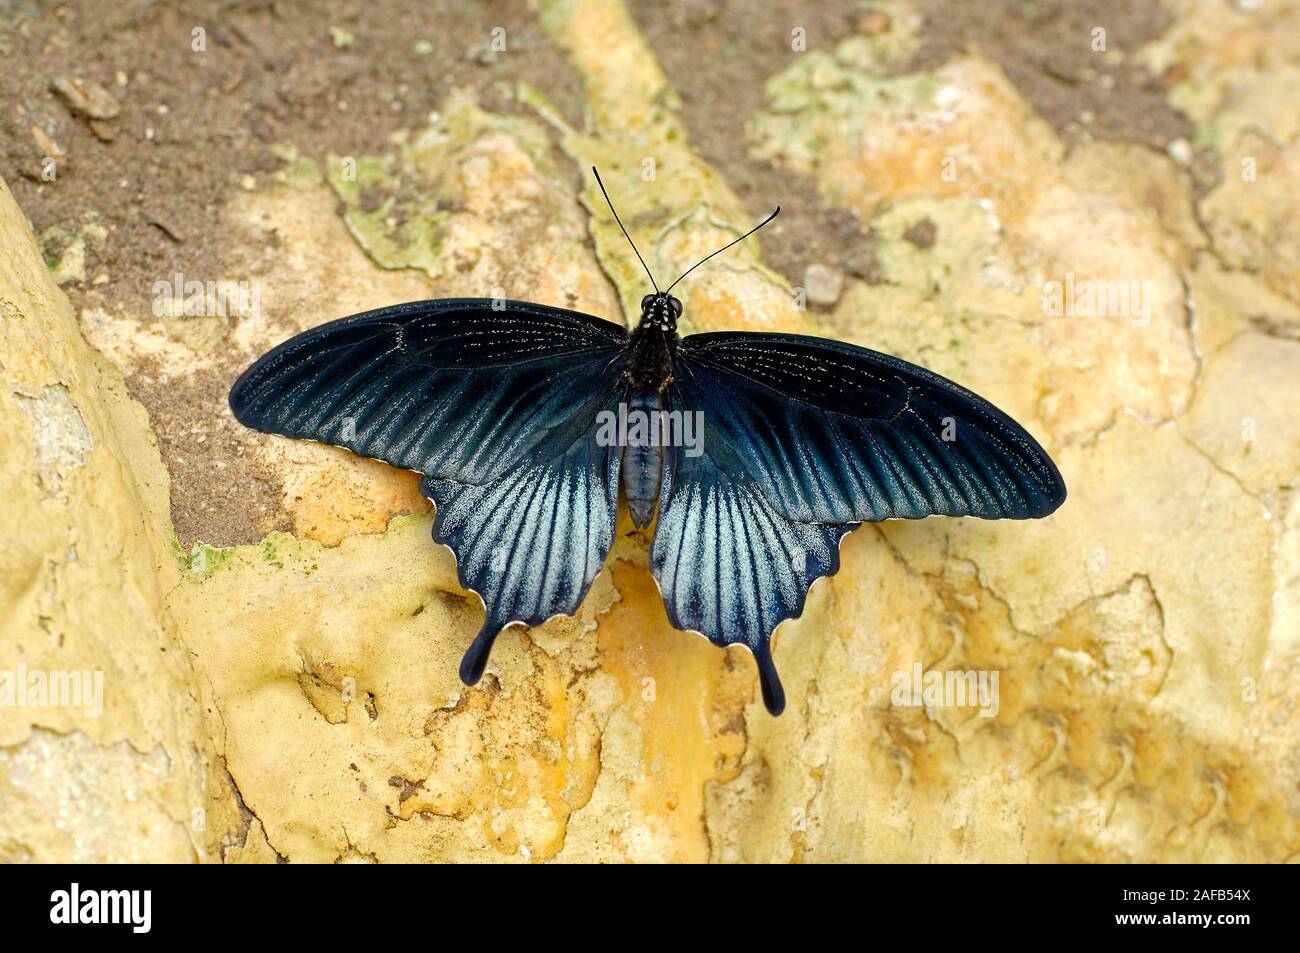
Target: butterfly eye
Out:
[676,306]
[646,302]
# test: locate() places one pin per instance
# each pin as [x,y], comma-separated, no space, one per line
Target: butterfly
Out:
[752,454]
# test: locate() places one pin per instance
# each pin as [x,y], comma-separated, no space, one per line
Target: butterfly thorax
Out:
[653,344]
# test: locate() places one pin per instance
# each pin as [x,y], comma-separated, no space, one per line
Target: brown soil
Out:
[1045,48]
[718,56]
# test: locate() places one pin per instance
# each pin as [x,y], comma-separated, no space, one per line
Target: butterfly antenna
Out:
[774,214]
[620,225]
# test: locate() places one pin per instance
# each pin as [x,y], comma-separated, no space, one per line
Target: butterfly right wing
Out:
[804,438]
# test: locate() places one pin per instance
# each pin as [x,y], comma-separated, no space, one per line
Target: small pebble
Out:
[86,98]
[922,234]
[823,284]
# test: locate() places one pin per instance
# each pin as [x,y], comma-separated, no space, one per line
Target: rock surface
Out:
[297,698]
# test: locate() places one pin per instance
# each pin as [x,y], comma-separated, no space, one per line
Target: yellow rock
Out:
[105,750]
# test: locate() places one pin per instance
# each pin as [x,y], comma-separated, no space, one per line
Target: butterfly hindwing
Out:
[729,565]
[531,541]
[497,408]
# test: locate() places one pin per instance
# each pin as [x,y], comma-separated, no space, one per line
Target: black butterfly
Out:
[521,418]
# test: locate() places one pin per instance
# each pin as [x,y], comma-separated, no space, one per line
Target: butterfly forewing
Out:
[456,389]
[834,433]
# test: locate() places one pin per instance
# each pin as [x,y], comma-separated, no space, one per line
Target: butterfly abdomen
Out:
[643,461]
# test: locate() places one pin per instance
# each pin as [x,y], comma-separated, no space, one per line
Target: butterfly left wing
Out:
[803,439]
[496,404]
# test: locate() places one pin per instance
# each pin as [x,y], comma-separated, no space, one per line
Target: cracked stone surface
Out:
[296,699]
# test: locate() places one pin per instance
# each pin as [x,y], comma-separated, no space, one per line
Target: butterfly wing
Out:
[497,408]
[532,541]
[455,389]
[729,565]
[803,439]
[830,432]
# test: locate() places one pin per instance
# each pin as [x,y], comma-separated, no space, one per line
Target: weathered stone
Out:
[823,284]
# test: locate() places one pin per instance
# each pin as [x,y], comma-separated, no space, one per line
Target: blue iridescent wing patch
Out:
[729,564]
[532,541]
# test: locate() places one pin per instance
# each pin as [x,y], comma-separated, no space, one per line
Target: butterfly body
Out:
[643,456]
[651,351]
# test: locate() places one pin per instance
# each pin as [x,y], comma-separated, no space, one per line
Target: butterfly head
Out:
[661,311]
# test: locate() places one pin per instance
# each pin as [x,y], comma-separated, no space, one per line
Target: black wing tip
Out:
[238,405]
[241,397]
[1056,500]
[1055,494]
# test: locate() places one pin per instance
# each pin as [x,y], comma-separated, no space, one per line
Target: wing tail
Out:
[476,656]
[769,681]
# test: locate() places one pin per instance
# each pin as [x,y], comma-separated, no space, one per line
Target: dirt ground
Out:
[342,76]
